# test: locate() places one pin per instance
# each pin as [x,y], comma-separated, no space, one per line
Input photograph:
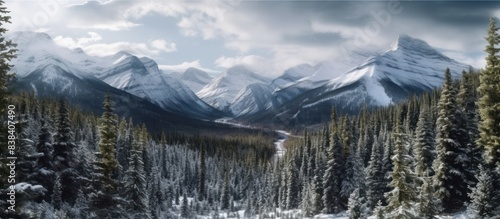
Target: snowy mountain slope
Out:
[252,99]
[142,77]
[409,67]
[138,76]
[195,78]
[223,90]
[318,75]
[53,81]
[292,75]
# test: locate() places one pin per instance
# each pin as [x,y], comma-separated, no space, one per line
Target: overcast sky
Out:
[269,36]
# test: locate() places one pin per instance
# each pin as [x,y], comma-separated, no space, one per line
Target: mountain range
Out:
[301,94]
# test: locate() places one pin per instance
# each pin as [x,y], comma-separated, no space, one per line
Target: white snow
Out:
[223,90]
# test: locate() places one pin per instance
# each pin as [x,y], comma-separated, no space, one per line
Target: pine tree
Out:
[224,200]
[56,196]
[354,173]
[402,194]
[63,154]
[379,211]
[355,205]
[135,184]
[7,53]
[202,169]
[318,184]
[424,146]
[482,196]
[489,98]
[185,212]
[375,176]
[292,199]
[427,201]
[331,179]
[44,172]
[306,204]
[108,140]
[450,165]
[103,194]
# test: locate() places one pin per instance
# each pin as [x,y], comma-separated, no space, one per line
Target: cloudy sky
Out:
[269,36]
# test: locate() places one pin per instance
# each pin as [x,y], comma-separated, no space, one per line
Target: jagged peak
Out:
[410,44]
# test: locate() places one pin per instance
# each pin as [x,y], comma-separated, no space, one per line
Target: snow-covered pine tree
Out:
[489,108]
[378,212]
[57,196]
[318,183]
[374,176]
[424,143]
[8,53]
[467,99]
[332,178]
[103,194]
[185,211]
[306,204]
[355,205]
[202,173]
[292,198]
[44,172]
[63,155]
[224,199]
[450,165]
[134,190]
[402,194]
[482,196]
[427,206]
[489,98]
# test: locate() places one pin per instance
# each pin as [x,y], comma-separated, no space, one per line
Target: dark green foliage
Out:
[332,177]
[375,177]
[489,98]
[450,165]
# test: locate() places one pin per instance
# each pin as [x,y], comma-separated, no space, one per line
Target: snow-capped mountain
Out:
[252,99]
[141,77]
[63,71]
[194,78]
[51,71]
[292,75]
[409,66]
[223,90]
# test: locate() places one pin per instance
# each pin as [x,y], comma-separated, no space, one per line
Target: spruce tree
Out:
[185,213]
[108,138]
[202,173]
[489,98]
[331,179]
[292,198]
[374,176]
[103,194]
[56,196]
[355,205]
[427,202]
[402,194]
[135,184]
[450,165]
[44,172]
[7,53]
[424,143]
[224,200]
[482,196]
[63,155]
